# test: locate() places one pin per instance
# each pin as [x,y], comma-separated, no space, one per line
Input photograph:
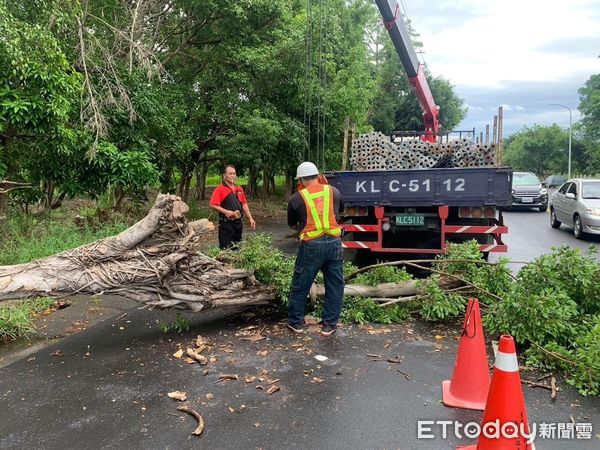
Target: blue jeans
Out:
[325,254]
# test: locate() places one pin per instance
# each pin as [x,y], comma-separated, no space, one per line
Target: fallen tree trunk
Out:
[155,262]
[408,289]
[362,290]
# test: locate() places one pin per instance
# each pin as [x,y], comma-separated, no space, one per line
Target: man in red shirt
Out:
[230,201]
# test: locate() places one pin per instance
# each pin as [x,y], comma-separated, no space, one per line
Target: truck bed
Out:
[473,186]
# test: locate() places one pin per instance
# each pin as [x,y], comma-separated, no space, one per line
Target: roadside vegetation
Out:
[551,306]
[17,319]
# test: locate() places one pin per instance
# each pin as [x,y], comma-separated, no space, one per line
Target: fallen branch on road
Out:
[200,428]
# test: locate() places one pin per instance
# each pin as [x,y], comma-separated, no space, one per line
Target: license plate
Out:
[410,219]
[527,200]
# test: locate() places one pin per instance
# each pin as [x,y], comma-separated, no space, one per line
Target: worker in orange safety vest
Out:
[312,211]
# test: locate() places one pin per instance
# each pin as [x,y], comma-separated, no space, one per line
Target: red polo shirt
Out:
[231,198]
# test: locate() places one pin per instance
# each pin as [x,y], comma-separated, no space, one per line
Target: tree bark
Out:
[387,290]
[119,197]
[288,186]
[155,262]
[49,194]
[3,204]
[253,183]
[186,188]
[201,173]
[265,184]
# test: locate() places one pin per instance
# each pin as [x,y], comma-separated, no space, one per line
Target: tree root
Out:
[156,262]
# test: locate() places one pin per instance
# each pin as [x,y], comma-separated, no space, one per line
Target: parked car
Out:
[527,191]
[554,181]
[577,204]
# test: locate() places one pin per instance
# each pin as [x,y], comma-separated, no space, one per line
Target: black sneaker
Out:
[296,328]
[327,330]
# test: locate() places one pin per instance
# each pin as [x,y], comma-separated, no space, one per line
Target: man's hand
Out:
[229,214]
[252,223]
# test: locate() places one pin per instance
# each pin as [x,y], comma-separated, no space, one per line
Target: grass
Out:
[25,238]
[17,320]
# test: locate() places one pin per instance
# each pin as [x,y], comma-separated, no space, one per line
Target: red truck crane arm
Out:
[398,31]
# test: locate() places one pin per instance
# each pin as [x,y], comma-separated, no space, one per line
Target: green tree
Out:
[543,150]
[589,106]
[38,93]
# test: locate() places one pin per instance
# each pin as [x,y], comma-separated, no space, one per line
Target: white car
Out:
[577,204]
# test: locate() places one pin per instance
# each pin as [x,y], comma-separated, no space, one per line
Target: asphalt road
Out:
[530,235]
[107,386]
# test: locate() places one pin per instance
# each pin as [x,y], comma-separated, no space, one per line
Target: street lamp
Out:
[570,122]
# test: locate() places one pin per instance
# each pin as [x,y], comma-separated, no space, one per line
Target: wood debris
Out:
[178,395]
[201,359]
[374,331]
[403,373]
[200,428]
[201,340]
[178,354]
[228,376]
[273,389]
[553,388]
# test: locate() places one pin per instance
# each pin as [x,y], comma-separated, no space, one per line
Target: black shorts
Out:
[230,232]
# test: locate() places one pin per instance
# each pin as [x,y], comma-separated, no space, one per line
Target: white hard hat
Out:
[306,169]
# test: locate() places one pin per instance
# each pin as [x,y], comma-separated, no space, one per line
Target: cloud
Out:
[580,46]
[525,103]
[473,108]
[520,54]
[496,41]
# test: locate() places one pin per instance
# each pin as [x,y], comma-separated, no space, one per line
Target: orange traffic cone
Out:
[471,375]
[504,425]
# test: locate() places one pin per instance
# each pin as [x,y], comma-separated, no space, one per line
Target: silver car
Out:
[577,204]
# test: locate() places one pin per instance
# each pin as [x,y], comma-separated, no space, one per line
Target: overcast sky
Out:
[523,54]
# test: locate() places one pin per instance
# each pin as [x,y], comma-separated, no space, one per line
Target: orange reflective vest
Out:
[320,217]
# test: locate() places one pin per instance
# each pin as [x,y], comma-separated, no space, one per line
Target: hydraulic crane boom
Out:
[398,31]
